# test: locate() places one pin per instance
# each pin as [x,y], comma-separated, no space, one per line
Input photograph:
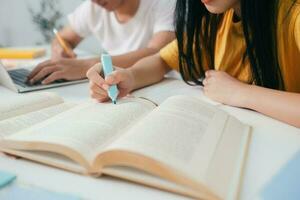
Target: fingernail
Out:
[105,86]
[110,79]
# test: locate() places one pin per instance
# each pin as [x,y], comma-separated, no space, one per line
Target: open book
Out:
[18,112]
[184,145]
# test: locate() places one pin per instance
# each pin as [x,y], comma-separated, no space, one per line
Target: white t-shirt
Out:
[116,38]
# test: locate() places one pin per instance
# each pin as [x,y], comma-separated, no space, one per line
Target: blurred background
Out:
[30,22]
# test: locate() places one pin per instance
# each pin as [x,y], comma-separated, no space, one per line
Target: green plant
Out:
[47,18]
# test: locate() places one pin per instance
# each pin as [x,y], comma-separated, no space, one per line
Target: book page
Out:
[18,104]
[53,159]
[15,124]
[147,179]
[169,87]
[87,128]
[187,135]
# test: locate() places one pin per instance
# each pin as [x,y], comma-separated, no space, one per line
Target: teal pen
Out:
[108,69]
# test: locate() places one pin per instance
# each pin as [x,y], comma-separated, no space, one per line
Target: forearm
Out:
[129,59]
[158,41]
[148,71]
[89,63]
[280,105]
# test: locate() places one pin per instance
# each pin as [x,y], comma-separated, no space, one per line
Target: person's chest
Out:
[118,38]
[230,50]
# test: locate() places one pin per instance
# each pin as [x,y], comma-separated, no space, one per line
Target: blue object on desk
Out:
[6,178]
[286,184]
[20,192]
[108,69]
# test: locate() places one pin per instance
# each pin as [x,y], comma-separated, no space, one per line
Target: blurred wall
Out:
[17,28]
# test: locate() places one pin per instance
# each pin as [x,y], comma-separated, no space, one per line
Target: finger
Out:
[205,90]
[102,100]
[100,97]
[209,73]
[95,68]
[95,77]
[98,91]
[43,73]
[122,93]
[39,67]
[115,77]
[205,81]
[105,86]
[53,77]
[95,88]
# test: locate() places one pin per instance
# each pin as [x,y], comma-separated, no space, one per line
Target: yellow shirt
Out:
[231,45]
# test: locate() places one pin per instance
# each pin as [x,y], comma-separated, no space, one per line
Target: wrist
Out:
[245,95]
[83,67]
[89,63]
[132,75]
[55,45]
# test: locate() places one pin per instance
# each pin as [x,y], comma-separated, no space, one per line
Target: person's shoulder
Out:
[297,7]
[289,13]
[289,20]
[297,19]
[289,7]
[159,5]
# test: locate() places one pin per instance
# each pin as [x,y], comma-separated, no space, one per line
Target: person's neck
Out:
[127,10]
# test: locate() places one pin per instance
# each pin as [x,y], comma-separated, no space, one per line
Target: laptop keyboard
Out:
[19,76]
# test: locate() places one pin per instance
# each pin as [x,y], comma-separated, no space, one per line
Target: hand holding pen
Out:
[61,48]
[99,86]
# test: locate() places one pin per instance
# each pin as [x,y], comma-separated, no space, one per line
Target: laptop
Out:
[16,80]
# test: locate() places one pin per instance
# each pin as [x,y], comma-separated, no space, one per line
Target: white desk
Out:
[272,145]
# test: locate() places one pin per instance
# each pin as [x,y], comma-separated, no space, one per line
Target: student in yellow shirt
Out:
[247,50]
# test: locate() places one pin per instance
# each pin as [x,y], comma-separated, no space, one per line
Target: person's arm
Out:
[280,105]
[145,72]
[158,41]
[148,71]
[71,38]
[74,69]
[284,106]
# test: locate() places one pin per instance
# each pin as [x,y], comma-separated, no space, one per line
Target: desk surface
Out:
[273,144]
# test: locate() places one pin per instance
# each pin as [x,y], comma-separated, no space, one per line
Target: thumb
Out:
[115,77]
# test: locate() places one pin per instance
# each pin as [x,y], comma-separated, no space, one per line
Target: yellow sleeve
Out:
[170,55]
[297,31]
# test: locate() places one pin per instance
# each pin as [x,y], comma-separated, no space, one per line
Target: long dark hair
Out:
[196,30]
